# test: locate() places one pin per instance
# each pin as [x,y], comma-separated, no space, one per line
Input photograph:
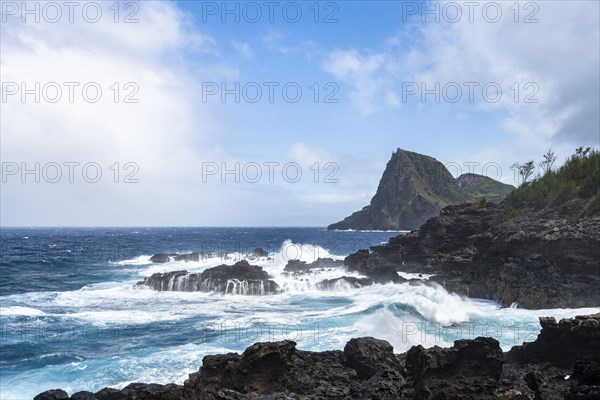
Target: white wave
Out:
[412,275]
[19,310]
[139,260]
[402,334]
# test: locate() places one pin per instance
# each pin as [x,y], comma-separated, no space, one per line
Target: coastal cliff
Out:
[415,187]
[540,247]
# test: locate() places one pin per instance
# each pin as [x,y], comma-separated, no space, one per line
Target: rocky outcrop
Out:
[345,282]
[470,369]
[538,258]
[300,267]
[133,391]
[257,253]
[562,344]
[414,188]
[240,278]
[161,258]
[367,368]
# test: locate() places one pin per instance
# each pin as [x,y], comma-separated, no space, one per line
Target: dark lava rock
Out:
[240,278]
[54,394]
[257,253]
[297,266]
[367,369]
[160,258]
[379,272]
[538,259]
[348,280]
[83,395]
[279,370]
[471,368]
[561,344]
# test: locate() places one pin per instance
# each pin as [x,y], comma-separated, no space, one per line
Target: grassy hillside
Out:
[479,187]
[578,178]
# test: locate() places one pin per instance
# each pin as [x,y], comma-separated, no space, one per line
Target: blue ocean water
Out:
[72,318]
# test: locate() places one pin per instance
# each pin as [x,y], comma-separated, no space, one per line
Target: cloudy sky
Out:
[204,113]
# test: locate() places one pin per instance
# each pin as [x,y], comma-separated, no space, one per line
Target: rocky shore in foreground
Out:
[562,363]
[546,258]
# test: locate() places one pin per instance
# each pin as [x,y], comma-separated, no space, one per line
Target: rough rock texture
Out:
[240,278]
[367,369]
[345,281]
[539,259]
[300,267]
[257,253]
[54,394]
[414,188]
[470,369]
[561,344]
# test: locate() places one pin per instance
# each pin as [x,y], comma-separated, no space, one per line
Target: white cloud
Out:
[559,55]
[362,73]
[244,49]
[166,133]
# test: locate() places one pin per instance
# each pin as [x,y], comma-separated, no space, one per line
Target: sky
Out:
[277,113]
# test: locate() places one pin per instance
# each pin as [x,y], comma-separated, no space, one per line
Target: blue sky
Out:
[374,59]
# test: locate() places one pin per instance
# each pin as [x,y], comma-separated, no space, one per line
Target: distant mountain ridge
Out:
[415,187]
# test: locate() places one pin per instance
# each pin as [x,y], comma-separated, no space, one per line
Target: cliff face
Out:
[538,258]
[414,188]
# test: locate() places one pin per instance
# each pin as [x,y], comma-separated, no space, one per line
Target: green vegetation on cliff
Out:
[577,179]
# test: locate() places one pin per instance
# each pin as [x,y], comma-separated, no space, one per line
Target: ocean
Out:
[72,318]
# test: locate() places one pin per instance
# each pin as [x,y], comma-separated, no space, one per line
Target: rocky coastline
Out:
[562,363]
[546,258]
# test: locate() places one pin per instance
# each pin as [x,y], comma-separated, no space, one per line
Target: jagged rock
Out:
[345,281]
[367,369]
[415,187]
[561,344]
[257,253]
[483,251]
[380,273]
[160,258]
[240,278]
[476,363]
[54,394]
[83,395]
[278,370]
[297,266]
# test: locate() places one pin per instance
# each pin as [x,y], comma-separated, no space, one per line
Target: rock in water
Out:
[539,258]
[55,394]
[300,267]
[240,278]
